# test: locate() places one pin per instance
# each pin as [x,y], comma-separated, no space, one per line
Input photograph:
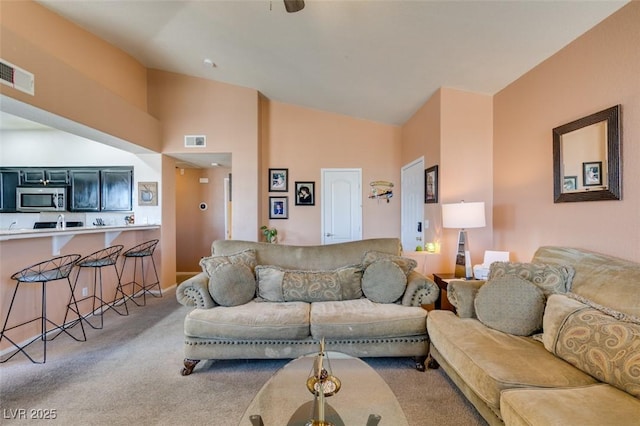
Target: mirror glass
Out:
[586,155]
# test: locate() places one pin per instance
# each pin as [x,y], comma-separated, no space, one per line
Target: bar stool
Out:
[97,261]
[140,252]
[57,268]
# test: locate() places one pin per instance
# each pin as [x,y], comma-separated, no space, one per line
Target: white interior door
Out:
[412,204]
[341,205]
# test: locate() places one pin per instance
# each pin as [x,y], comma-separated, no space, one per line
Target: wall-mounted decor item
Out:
[305,193]
[431,185]
[278,207]
[591,147]
[592,173]
[381,189]
[147,193]
[278,180]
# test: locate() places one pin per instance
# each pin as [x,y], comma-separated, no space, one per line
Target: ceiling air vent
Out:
[16,77]
[195,141]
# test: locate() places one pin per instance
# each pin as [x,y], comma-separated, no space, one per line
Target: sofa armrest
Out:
[420,290]
[462,295]
[195,292]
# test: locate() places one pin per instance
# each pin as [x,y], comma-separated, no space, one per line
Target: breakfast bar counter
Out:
[20,248]
[60,237]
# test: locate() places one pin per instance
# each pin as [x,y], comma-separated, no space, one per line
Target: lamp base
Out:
[463,258]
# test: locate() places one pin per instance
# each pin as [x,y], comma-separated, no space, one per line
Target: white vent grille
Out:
[16,77]
[195,141]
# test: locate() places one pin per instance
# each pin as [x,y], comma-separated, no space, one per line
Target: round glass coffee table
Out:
[364,397]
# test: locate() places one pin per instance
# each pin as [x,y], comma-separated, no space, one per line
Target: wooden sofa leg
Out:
[419,360]
[432,363]
[189,365]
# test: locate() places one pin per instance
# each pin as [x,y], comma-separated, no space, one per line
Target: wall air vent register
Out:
[16,77]
[195,141]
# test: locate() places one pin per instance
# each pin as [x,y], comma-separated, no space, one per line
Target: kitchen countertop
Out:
[60,237]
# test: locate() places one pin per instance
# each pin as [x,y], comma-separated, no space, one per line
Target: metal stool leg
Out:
[44,321]
[97,261]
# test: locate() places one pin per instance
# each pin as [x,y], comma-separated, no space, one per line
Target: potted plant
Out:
[270,234]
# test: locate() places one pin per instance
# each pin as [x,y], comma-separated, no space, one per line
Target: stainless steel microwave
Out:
[41,198]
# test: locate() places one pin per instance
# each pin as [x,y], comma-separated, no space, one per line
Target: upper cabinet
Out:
[33,176]
[94,189]
[8,182]
[89,189]
[85,190]
[117,189]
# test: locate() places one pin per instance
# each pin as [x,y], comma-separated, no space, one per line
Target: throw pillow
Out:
[232,284]
[510,304]
[384,281]
[281,285]
[245,257]
[550,278]
[598,340]
[407,265]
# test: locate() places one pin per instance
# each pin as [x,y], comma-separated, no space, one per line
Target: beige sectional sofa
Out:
[259,300]
[555,341]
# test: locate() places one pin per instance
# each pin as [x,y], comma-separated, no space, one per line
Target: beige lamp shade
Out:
[463,215]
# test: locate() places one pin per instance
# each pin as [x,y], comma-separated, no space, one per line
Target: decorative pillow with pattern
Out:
[246,257]
[407,265]
[282,285]
[595,339]
[550,278]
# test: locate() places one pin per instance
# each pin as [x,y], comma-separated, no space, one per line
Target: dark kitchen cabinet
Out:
[117,189]
[9,180]
[35,176]
[32,177]
[57,177]
[85,190]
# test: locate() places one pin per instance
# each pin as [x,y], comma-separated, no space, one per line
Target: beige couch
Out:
[581,368]
[259,300]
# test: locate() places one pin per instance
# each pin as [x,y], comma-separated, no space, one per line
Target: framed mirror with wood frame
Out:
[589,148]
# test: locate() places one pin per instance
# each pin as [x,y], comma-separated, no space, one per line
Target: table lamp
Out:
[463,216]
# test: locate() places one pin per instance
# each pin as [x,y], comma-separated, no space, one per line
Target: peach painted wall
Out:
[77,75]
[198,228]
[598,70]
[228,116]
[453,130]
[306,140]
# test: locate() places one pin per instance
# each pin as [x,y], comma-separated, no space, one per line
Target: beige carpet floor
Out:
[129,373]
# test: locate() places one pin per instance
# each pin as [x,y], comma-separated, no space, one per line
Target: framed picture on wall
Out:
[570,183]
[592,173]
[147,193]
[278,207]
[278,180]
[305,193]
[431,185]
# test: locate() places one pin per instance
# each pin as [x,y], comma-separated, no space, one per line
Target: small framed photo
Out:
[278,207]
[570,183]
[147,193]
[278,180]
[431,185]
[305,193]
[592,173]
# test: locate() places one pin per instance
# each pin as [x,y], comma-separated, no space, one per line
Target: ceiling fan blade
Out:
[293,5]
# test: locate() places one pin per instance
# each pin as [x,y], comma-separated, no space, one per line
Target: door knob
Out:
[328,235]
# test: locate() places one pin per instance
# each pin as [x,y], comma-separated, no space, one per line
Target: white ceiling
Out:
[374,60]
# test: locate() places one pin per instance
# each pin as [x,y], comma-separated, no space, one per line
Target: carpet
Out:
[129,372]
